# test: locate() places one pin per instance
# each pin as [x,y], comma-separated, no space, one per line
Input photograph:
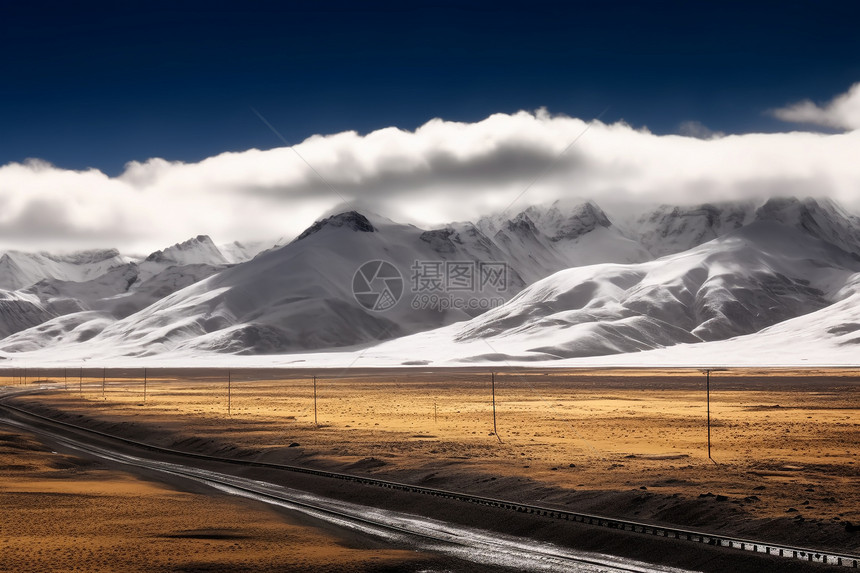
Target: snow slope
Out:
[237,252]
[544,239]
[829,337]
[254,318]
[19,312]
[820,218]
[671,229]
[19,269]
[737,285]
[104,281]
[736,277]
[58,336]
[297,297]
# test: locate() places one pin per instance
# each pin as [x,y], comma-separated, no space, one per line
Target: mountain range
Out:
[578,284]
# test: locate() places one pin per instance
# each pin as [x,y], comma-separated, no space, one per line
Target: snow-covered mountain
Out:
[544,239]
[592,285]
[57,334]
[120,291]
[104,281]
[20,312]
[671,229]
[19,269]
[199,250]
[195,251]
[820,218]
[22,309]
[736,285]
[237,252]
[293,298]
[829,337]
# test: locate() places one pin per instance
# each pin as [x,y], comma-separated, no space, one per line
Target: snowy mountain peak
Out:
[19,269]
[85,257]
[671,229]
[739,284]
[350,219]
[821,218]
[561,220]
[91,256]
[791,210]
[591,287]
[458,237]
[239,252]
[441,240]
[198,250]
[521,225]
[560,224]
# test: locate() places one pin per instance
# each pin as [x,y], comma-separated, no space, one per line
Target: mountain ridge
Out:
[297,297]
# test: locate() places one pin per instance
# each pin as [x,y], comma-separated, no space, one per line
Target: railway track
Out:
[687,535]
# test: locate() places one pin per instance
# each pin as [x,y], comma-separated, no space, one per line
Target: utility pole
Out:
[144,385]
[495,431]
[81,382]
[435,414]
[316,423]
[229,393]
[707,372]
[708,390]
[104,381]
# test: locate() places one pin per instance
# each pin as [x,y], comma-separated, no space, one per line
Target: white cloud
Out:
[843,112]
[442,171]
[698,130]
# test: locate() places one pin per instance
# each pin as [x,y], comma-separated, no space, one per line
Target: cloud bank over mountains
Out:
[843,112]
[443,171]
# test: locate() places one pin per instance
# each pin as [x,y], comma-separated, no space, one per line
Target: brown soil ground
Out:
[628,443]
[62,513]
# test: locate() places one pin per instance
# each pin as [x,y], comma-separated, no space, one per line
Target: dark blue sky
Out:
[91,85]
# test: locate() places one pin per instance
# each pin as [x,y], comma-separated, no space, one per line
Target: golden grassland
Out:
[629,442]
[62,513]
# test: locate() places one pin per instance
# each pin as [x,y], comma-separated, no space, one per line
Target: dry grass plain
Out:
[629,443]
[62,513]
